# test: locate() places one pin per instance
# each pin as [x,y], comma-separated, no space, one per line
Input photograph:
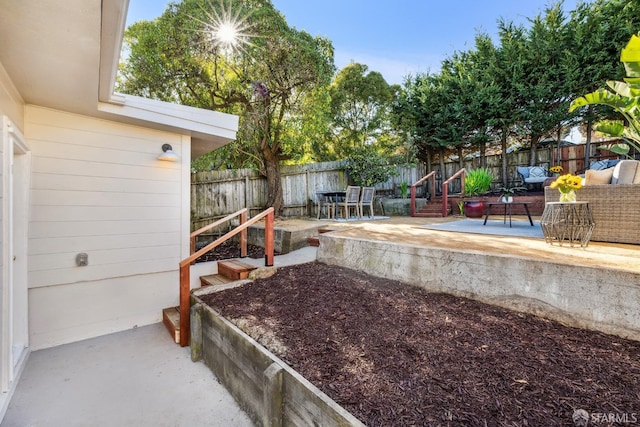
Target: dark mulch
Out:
[393,354]
[229,250]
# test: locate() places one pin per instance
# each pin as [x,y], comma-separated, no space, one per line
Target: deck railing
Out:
[432,177]
[445,189]
[185,264]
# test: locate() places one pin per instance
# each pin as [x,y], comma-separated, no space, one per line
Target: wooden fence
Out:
[216,194]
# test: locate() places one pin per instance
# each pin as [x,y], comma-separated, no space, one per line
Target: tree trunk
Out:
[587,147]
[505,160]
[443,173]
[534,150]
[274,183]
[483,154]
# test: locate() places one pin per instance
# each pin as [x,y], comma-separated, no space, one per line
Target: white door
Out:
[15,219]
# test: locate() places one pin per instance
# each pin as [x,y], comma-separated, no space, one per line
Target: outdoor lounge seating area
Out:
[532,175]
[614,199]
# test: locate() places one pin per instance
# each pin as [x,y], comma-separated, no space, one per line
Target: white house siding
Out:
[11,106]
[98,188]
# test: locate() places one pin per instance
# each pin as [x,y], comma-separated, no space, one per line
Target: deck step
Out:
[326,230]
[171,319]
[431,209]
[214,280]
[234,269]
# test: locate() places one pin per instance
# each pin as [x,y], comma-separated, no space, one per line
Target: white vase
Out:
[507,199]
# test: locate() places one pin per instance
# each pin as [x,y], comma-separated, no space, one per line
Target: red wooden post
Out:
[268,239]
[413,200]
[185,305]
[445,198]
[433,184]
[193,248]
[243,235]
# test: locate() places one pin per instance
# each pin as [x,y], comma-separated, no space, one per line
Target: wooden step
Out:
[171,319]
[326,230]
[214,280]
[234,269]
[428,215]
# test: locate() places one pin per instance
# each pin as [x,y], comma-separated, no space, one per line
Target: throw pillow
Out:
[612,162]
[624,172]
[524,171]
[595,177]
[537,172]
[599,165]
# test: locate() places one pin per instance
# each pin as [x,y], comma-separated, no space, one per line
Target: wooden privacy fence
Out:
[215,194]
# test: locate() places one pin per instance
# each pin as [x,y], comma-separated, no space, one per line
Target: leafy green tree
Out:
[623,97]
[599,29]
[360,103]
[551,72]
[501,72]
[264,80]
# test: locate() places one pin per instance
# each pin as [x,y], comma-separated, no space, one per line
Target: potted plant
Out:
[476,182]
[506,193]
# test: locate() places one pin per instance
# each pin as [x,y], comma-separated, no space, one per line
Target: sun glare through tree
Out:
[226,29]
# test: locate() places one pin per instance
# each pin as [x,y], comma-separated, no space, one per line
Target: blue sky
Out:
[393,37]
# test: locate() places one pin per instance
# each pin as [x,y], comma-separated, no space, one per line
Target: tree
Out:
[623,97]
[551,73]
[360,103]
[367,168]
[175,58]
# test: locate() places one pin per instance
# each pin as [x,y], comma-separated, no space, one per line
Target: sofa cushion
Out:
[537,172]
[595,177]
[624,172]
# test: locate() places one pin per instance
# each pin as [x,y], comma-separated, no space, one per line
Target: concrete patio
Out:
[138,377]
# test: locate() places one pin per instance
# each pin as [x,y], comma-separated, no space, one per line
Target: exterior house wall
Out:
[11,107]
[98,188]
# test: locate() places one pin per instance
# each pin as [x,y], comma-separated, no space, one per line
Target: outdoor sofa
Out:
[532,175]
[614,198]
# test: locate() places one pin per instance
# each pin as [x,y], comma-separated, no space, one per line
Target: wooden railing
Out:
[445,189]
[432,176]
[185,264]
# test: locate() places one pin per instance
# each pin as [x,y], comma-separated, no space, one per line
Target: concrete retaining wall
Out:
[593,298]
[269,391]
[285,241]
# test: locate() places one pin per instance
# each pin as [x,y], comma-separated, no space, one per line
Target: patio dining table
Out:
[332,197]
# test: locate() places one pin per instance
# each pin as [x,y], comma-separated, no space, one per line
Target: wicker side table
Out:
[567,221]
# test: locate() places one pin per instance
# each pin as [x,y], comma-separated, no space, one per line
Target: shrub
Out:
[477,181]
[367,168]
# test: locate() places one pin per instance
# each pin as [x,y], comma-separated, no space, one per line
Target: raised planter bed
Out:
[269,391]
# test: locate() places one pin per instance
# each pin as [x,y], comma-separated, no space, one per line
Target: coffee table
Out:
[508,209]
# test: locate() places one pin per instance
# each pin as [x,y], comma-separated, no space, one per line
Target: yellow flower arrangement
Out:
[567,185]
[556,169]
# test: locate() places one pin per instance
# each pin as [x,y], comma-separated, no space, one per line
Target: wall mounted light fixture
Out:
[167,154]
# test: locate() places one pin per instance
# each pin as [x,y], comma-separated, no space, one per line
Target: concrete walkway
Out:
[138,377]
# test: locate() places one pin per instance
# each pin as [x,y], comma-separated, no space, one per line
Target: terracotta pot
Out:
[474,208]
